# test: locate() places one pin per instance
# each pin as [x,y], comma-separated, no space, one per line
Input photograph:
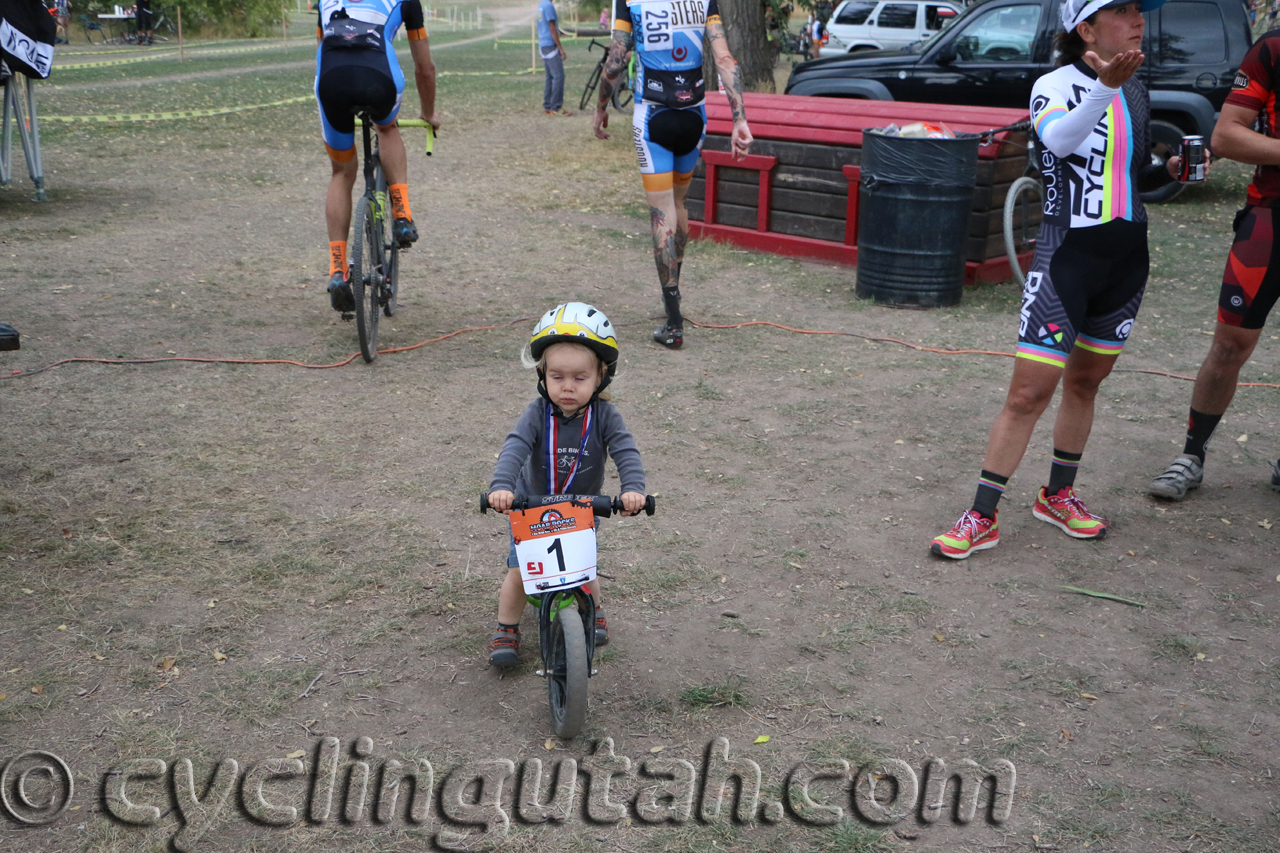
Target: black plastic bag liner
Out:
[914,160]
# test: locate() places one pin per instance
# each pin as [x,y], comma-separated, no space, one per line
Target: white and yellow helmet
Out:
[576,323]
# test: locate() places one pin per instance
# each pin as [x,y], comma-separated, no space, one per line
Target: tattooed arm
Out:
[613,68]
[732,81]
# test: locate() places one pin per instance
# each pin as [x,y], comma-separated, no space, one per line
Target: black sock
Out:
[671,302]
[990,488]
[1200,428]
[1063,471]
[514,629]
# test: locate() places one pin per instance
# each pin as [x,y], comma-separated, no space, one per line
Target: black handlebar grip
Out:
[484,502]
[650,504]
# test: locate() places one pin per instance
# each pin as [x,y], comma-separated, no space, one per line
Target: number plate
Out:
[556,546]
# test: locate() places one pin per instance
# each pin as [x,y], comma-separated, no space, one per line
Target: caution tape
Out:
[484,73]
[180,114]
[151,57]
[530,41]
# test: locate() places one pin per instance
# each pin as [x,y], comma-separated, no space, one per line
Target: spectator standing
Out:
[144,23]
[553,55]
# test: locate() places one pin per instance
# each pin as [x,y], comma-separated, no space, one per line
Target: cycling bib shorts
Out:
[1251,281]
[1084,289]
[668,140]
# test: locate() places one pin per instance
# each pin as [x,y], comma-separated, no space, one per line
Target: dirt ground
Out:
[212,561]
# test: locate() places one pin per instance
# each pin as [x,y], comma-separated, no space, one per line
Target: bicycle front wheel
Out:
[368,270]
[391,280]
[590,89]
[567,676]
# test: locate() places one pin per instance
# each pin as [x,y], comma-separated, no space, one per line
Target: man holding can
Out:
[1251,282]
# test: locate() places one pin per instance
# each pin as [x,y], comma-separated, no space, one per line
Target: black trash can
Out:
[913,218]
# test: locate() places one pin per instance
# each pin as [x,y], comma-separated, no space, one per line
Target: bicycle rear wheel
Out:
[567,673]
[589,90]
[368,267]
[622,96]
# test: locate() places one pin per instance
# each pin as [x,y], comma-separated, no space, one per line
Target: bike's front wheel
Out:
[567,677]
[368,271]
[589,90]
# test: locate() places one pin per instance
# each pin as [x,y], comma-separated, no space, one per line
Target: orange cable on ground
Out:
[947,351]
[349,359]
[84,360]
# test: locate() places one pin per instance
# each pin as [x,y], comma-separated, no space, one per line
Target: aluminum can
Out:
[1193,159]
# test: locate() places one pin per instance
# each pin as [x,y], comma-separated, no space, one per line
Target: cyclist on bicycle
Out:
[561,443]
[357,68]
[670,121]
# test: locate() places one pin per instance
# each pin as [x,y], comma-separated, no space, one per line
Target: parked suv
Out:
[996,49]
[859,25]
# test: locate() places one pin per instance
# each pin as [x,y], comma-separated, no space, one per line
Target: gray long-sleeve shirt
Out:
[522,464]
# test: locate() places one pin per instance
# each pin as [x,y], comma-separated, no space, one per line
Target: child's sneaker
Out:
[504,648]
[1067,512]
[602,629]
[973,532]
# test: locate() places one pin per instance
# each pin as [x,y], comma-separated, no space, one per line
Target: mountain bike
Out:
[562,527]
[621,95]
[375,257]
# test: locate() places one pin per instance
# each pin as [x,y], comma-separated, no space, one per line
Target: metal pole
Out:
[181,56]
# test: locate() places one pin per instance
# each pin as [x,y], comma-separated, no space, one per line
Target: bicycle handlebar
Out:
[601,505]
[595,43]
[415,122]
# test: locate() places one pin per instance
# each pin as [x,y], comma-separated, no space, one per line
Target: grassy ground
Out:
[213,561]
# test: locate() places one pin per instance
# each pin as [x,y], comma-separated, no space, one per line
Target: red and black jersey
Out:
[1255,89]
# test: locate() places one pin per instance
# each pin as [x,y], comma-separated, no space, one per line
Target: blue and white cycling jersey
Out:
[668,43]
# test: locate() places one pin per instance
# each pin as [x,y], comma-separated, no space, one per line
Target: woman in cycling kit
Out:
[1082,294]
[670,122]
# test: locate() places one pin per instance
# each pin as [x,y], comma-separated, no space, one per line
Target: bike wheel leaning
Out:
[622,96]
[590,88]
[367,272]
[567,673]
[1018,232]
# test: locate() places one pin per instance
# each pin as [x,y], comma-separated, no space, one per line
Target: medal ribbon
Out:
[553,431]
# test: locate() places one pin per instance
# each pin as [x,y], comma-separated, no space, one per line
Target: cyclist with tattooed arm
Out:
[670,121]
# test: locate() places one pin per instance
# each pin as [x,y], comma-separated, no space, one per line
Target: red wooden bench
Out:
[797,192]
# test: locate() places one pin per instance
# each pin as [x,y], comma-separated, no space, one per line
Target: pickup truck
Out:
[993,53]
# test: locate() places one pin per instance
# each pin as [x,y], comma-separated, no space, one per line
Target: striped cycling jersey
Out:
[1093,148]
[389,13]
[668,44]
[1255,89]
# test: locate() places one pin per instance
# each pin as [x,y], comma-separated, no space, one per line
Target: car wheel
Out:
[1166,139]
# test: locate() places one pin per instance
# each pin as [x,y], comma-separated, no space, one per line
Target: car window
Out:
[937,17]
[855,13]
[1192,34]
[1004,35]
[898,16]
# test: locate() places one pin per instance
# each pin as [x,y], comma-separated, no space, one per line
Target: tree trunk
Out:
[745,29]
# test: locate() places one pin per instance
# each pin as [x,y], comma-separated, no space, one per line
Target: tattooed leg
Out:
[662,216]
[680,189]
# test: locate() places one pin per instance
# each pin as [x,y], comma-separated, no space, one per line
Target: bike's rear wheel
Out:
[368,270]
[622,96]
[567,674]
[589,90]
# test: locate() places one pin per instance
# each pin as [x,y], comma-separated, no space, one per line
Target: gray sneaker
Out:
[1186,473]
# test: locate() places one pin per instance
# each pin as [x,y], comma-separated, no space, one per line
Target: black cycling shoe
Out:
[404,232]
[602,629]
[340,294]
[669,337]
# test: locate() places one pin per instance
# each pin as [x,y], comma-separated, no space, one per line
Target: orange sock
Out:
[400,201]
[337,256]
